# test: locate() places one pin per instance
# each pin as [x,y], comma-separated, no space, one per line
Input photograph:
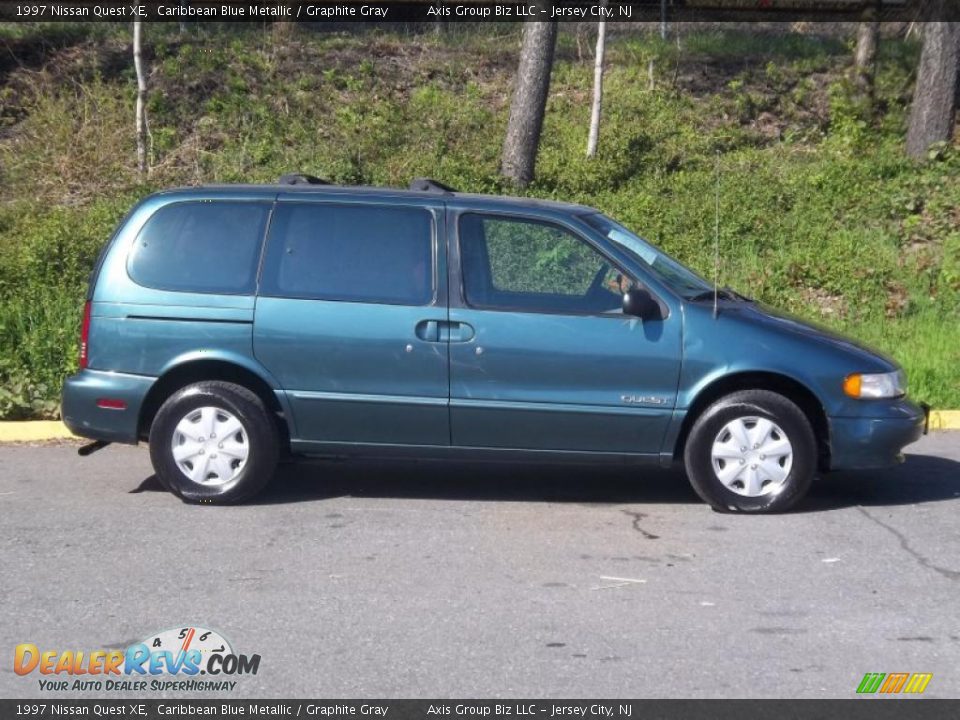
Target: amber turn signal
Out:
[852,385]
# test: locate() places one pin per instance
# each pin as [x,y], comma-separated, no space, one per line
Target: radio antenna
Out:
[716,238]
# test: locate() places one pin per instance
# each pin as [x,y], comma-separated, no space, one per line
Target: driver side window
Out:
[531,266]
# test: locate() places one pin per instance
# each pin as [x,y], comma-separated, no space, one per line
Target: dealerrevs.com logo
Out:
[170,660]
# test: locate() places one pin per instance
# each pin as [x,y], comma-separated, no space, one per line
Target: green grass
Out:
[822,214]
[39,337]
[926,346]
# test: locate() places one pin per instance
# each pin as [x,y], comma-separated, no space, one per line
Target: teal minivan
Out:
[231,326]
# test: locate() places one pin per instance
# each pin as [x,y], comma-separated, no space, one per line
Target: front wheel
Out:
[214,442]
[752,451]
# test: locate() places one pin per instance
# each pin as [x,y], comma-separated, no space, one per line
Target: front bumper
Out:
[84,417]
[862,443]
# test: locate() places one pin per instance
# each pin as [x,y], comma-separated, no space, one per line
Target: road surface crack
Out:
[905,545]
[637,517]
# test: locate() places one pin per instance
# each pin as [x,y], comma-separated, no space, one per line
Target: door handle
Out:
[456,331]
[444,331]
[428,330]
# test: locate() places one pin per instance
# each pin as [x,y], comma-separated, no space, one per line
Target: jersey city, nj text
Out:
[530,11]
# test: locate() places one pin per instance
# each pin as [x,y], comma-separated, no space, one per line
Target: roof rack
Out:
[301,179]
[428,185]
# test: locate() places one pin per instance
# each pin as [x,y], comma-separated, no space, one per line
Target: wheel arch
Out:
[198,370]
[784,385]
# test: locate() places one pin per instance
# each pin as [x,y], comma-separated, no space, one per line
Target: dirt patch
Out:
[756,94]
[828,304]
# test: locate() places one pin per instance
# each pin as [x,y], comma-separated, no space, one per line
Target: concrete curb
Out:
[13,431]
[945,419]
[33,431]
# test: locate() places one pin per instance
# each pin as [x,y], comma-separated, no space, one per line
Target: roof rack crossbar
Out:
[428,185]
[301,179]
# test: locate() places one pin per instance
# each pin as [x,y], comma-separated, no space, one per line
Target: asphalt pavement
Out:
[357,579]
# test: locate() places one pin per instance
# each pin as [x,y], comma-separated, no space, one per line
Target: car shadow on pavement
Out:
[922,478]
[475,481]
[149,484]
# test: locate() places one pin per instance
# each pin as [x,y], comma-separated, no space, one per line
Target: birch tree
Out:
[865,58]
[141,122]
[594,137]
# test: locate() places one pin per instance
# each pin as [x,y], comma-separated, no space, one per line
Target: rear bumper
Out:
[875,442]
[84,417]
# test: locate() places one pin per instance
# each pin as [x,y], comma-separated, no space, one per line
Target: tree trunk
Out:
[529,102]
[935,95]
[580,29]
[865,58]
[283,29]
[597,89]
[142,166]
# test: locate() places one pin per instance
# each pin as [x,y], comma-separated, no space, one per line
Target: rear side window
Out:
[205,247]
[350,253]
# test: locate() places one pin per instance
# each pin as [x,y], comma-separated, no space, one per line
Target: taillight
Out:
[85,336]
[111,403]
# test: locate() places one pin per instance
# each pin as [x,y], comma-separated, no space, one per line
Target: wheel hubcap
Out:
[752,456]
[210,446]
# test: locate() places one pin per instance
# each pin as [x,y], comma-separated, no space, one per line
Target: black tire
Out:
[750,404]
[259,433]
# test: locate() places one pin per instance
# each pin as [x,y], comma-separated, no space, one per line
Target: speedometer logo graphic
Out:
[184,639]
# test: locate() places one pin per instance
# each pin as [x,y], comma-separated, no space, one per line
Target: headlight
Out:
[879,385]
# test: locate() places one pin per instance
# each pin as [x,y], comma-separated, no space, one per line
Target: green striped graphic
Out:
[871,682]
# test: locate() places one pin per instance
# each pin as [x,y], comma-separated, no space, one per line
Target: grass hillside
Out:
[822,214]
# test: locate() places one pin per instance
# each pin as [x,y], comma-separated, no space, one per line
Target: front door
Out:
[546,359]
[350,297]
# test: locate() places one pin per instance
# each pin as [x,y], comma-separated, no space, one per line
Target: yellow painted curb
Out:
[40,430]
[945,419]
[33,431]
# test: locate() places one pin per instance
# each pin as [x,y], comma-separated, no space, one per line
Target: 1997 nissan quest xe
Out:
[229,325]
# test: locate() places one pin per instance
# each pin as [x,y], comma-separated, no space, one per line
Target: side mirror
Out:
[640,303]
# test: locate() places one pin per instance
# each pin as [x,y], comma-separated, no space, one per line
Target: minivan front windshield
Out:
[680,279]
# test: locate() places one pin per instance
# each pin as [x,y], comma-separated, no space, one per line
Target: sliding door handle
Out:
[428,330]
[444,331]
[457,331]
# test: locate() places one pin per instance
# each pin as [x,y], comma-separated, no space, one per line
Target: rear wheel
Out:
[752,451]
[214,442]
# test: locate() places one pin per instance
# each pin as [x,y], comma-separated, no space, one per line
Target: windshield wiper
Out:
[708,295]
[723,294]
[739,296]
